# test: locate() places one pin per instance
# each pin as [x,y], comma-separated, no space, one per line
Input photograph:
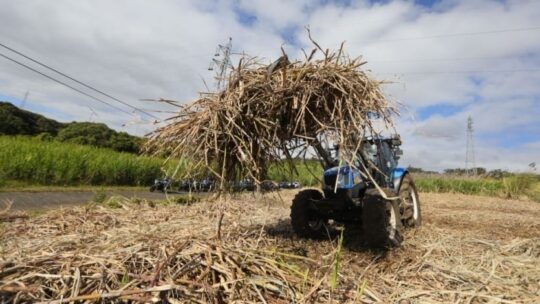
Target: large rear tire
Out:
[409,205]
[304,219]
[381,223]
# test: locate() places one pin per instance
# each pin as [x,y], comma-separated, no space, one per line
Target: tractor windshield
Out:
[380,154]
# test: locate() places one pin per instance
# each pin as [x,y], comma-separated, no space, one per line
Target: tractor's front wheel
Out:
[304,219]
[409,203]
[381,221]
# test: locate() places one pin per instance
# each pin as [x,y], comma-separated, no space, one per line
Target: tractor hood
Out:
[345,176]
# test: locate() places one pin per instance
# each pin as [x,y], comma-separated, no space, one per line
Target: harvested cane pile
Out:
[97,254]
[266,113]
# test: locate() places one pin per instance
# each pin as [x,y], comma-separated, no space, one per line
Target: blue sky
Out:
[137,50]
[441,109]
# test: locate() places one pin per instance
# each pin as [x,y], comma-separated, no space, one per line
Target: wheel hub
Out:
[409,205]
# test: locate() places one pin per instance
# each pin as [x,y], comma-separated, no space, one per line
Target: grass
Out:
[534,193]
[334,277]
[31,161]
[29,164]
[515,186]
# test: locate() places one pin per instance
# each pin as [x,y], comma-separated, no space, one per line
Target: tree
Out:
[21,122]
[99,135]
[16,121]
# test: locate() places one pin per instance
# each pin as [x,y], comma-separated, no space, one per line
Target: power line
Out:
[448,59]
[64,84]
[464,72]
[77,81]
[524,29]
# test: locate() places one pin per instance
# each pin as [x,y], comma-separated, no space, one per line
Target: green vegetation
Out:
[99,196]
[309,172]
[513,186]
[506,184]
[36,162]
[99,135]
[32,161]
[20,122]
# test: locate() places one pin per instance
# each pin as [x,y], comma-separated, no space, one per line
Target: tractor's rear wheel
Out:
[304,219]
[381,224]
[409,204]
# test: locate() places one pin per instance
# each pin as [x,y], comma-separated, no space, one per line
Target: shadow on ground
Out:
[283,229]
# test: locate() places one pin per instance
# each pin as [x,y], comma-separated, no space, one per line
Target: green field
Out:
[515,186]
[27,161]
[35,162]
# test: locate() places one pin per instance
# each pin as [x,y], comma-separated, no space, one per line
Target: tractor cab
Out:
[378,158]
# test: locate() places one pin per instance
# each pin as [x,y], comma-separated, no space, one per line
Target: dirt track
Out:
[470,249]
[45,200]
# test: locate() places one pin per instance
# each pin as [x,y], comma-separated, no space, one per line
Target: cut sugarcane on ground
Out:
[471,249]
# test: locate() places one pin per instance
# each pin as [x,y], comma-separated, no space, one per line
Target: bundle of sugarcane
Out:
[269,113]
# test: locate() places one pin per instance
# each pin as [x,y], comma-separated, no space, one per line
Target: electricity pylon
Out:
[221,64]
[470,163]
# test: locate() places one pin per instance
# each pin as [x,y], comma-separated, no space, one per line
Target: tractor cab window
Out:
[380,154]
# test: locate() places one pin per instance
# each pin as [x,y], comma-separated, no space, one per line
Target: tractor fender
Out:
[397,177]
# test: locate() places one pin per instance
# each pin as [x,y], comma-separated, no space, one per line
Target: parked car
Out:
[284,185]
[161,184]
[245,185]
[206,184]
[268,185]
[289,185]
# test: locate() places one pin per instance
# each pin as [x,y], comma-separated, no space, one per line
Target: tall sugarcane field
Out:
[283,183]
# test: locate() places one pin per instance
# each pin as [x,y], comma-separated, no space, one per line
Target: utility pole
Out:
[221,62]
[470,163]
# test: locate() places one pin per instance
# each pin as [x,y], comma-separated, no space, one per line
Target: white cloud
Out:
[139,49]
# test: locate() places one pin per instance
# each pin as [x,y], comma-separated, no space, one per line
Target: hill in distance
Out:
[15,121]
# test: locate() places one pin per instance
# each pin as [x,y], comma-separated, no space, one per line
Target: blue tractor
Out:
[374,198]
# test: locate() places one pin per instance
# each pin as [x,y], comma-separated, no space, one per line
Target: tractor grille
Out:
[330,180]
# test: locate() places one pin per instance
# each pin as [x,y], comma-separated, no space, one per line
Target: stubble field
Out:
[470,249]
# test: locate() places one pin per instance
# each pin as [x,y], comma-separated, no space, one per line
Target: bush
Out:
[519,184]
